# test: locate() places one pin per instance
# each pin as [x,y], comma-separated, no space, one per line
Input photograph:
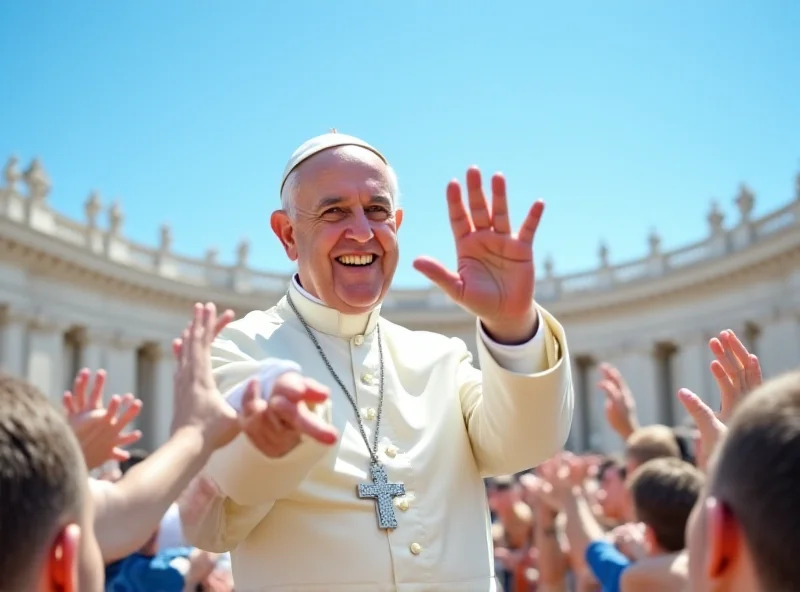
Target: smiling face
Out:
[342,228]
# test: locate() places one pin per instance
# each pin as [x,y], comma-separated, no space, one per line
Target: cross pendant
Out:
[383,493]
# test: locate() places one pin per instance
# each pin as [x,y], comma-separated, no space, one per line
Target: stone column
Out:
[45,357]
[693,371]
[779,345]
[13,343]
[162,395]
[639,367]
[121,361]
[93,350]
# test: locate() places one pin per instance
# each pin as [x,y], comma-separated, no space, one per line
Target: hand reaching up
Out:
[736,371]
[98,428]
[198,404]
[709,425]
[620,405]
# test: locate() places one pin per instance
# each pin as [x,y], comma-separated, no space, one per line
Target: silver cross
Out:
[383,493]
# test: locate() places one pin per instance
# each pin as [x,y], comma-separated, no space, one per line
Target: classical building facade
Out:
[78,293]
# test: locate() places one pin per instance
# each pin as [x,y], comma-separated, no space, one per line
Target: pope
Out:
[361,465]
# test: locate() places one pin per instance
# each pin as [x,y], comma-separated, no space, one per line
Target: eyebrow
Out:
[335,201]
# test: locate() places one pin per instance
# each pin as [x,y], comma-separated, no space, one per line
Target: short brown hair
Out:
[649,442]
[664,491]
[41,472]
[755,474]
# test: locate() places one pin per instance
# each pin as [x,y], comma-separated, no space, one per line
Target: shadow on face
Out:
[342,228]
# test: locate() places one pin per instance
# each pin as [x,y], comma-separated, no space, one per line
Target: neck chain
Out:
[373,449]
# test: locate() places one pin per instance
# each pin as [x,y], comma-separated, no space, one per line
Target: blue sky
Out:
[622,115]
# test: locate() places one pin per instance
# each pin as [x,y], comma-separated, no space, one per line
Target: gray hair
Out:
[290,187]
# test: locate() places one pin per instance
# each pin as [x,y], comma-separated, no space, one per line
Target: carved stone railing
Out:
[32,211]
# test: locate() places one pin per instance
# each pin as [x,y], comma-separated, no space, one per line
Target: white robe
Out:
[296,523]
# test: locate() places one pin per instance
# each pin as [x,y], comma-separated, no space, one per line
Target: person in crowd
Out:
[46,514]
[151,569]
[386,472]
[648,443]
[743,534]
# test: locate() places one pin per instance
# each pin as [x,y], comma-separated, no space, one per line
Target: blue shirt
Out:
[162,572]
[607,564]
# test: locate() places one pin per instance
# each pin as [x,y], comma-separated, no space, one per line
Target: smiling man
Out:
[361,468]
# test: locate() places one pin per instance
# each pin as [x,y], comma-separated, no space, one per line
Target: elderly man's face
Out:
[343,228]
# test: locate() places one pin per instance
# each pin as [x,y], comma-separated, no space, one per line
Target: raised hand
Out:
[495,276]
[98,428]
[709,424]
[276,426]
[620,404]
[736,371]
[197,402]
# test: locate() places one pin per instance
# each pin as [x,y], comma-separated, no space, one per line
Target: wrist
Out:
[516,331]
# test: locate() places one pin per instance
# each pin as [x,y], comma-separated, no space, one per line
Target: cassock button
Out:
[358,339]
[366,378]
[370,414]
[416,548]
[402,503]
[391,451]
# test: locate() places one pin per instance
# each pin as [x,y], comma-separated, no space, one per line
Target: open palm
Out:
[495,277]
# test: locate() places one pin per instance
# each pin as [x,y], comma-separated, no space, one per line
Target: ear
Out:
[63,561]
[398,218]
[723,540]
[282,227]
[651,543]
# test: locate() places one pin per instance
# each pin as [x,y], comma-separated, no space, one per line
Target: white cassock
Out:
[296,523]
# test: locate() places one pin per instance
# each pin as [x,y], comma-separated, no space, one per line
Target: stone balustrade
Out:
[105,238]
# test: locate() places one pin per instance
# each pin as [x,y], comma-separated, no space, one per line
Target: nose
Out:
[359,228]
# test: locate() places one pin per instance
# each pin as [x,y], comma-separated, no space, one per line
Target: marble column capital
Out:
[113,338]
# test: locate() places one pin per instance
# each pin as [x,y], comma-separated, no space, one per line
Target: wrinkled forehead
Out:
[345,172]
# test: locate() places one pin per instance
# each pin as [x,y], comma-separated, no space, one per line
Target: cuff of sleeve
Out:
[271,369]
[525,358]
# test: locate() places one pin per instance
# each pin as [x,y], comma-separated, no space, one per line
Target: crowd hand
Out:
[201,565]
[736,371]
[629,539]
[276,427]
[620,404]
[538,493]
[495,276]
[219,580]
[708,423]
[561,476]
[198,403]
[98,428]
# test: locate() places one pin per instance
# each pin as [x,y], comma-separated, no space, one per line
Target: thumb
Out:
[701,413]
[448,281]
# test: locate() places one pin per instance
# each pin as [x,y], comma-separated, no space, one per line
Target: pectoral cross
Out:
[383,493]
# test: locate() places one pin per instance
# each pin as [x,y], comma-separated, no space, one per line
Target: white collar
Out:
[325,319]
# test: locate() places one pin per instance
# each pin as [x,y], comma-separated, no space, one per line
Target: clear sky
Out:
[623,115]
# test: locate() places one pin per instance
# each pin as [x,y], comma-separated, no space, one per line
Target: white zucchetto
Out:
[320,143]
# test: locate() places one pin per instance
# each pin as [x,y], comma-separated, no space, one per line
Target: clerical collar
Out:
[325,319]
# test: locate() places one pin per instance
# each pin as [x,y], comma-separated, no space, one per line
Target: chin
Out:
[360,299]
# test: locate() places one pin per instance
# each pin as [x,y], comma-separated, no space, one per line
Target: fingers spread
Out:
[460,222]
[500,219]
[527,231]
[479,209]
[96,397]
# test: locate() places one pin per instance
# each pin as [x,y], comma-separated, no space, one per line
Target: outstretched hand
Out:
[98,428]
[736,371]
[495,276]
[275,427]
